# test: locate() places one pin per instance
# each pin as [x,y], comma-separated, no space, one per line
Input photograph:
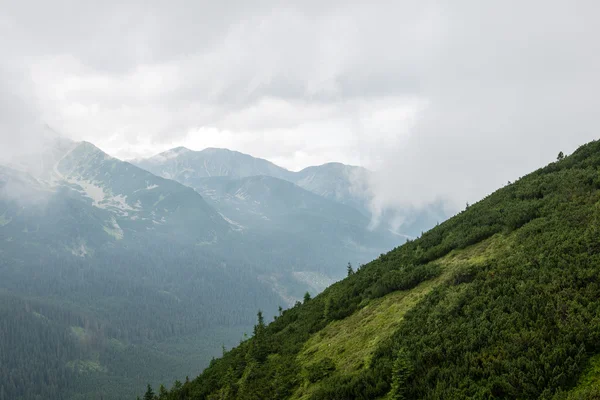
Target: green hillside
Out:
[501,301]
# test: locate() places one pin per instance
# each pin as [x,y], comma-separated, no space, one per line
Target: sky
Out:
[444,99]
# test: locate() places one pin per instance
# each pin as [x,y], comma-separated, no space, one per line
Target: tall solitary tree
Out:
[306,297]
[258,351]
[349,269]
[560,157]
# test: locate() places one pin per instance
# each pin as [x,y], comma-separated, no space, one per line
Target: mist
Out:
[500,103]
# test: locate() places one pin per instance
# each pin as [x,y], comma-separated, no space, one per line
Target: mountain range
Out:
[334,181]
[120,263]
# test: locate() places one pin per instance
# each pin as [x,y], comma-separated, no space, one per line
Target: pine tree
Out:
[149,395]
[162,392]
[306,297]
[560,157]
[258,351]
[350,269]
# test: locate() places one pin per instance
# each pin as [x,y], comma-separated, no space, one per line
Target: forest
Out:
[500,301]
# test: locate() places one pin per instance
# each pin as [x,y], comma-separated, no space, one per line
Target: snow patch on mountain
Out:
[96,193]
[79,249]
[236,226]
[315,280]
[102,198]
[114,230]
[241,194]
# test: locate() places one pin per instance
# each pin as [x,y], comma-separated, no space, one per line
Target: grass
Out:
[588,386]
[351,342]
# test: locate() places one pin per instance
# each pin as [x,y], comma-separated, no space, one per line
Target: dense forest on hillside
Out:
[500,301]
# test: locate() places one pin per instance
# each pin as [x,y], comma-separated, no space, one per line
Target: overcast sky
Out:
[448,99]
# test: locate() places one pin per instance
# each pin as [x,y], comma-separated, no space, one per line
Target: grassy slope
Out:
[500,301]
[351,342]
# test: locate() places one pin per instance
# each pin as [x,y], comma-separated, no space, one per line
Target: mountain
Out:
[118,266]
[314,235]
[500,301]
[313,232]
[343,184]
[185,166]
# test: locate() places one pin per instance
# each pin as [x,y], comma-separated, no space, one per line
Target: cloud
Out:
[513,89]
[446,99]
[19,116]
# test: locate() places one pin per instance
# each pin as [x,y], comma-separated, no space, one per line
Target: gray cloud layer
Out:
[448,99]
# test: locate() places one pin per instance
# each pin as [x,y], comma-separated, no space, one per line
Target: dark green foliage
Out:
[523,324]
[258,347]
[404,279]
[306,297]
[320,370]
[401,373]
[149,395]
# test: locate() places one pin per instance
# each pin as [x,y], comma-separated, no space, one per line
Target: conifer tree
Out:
[349,269]
[259,347]
[149,395]
[162,392]
[306,297]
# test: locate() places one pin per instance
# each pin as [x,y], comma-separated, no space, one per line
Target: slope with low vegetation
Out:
[500,301]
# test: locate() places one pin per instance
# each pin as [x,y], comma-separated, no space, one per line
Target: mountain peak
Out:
[213,150]
[169,155]
[179,150]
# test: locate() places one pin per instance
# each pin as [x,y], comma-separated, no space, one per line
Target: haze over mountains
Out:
[345,184]
[121,264]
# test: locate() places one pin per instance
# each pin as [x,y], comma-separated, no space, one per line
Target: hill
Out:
[500,301]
